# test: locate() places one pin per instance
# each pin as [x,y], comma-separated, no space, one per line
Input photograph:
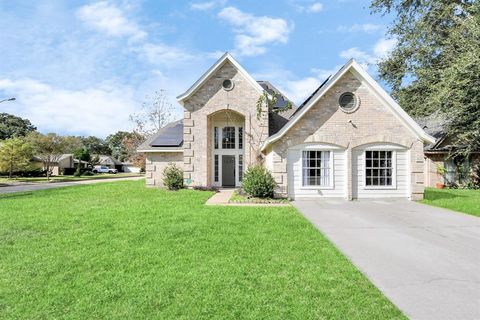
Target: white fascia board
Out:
[352,64]
[217,65]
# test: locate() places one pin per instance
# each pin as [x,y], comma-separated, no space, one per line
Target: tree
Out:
[81,155]
[15,155]
[72,144]
[115,143]
[13,126]
[435,64]
[155,113]
[130,145]
[49,148]
[96,145]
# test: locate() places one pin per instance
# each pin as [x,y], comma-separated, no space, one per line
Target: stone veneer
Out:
[209,99]
[156,162]
[372,122]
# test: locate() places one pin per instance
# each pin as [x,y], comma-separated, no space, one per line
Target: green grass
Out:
[122,251]
[68,178]
[466,201]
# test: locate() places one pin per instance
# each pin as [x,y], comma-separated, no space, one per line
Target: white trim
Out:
[217,65]
[161,150]
[394,170]
[375,87]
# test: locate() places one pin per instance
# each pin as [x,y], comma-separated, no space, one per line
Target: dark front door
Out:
[228,171]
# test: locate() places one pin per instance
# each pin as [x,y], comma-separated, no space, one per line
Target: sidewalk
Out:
[24,187]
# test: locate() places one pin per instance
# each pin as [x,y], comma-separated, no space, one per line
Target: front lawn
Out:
[69,178]
[119,250]
[467,201]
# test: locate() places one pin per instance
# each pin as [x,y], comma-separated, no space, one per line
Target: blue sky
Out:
[81,67]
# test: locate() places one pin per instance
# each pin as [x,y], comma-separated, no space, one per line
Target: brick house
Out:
[349,139]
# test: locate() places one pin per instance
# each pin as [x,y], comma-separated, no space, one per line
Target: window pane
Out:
[228,138]
[240,138]
[316,168]
[378,168]
[216,168]
[240,167]
[215,137]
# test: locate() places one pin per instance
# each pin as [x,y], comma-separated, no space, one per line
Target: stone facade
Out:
[372,122]
[156,162]
[209,100]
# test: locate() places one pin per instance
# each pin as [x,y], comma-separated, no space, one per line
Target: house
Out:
[110,162]
[60,164]
[441,167]
[349,139]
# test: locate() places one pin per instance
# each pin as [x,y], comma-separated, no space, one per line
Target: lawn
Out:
[118,250]
[68,178]
[466,201]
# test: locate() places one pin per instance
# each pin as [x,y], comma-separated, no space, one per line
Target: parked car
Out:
[103,169]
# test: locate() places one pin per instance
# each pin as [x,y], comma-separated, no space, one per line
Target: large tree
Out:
[15,155]
[121,142]
[13,126]
[49,148]
[434,67]
[96,145]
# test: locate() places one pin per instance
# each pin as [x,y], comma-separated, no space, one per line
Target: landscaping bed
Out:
[240,197]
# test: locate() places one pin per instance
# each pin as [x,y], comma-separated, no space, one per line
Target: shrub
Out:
[173,177]
[206,188]
[258,182]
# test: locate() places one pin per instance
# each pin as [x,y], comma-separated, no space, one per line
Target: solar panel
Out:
[170,136]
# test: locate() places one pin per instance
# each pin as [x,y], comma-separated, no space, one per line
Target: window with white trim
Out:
[240,137]
[378,168]
[240,167]
[215,137]
[216,168]
[228,138]
[316,168]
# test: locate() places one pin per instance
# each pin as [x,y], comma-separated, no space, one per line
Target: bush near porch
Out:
[122,251]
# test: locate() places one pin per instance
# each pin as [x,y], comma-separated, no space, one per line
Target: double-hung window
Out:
[316,168]
[379,168]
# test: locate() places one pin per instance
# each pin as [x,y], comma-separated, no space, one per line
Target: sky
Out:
[82,67]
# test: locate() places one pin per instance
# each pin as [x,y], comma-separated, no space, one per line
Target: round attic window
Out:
[348,102]
[227,84]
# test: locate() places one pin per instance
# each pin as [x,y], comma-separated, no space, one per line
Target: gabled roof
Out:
[167,139]
[353,66]
[217,65]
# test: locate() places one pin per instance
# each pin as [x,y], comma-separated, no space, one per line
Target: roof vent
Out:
[227,84]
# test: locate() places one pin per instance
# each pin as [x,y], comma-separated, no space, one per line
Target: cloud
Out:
[316,7]
[309,7]
[254,33]
[105,17]
[365,27]
[207,5]
[380,51]
[92,111]
[162,54]
[383,47]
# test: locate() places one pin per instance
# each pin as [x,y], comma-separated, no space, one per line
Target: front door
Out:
[228,171]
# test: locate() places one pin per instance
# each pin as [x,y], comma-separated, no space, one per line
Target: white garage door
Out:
[380,172]
[316,171]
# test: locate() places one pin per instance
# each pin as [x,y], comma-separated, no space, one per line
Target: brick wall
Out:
[156,162]
[372,122]
[202,105]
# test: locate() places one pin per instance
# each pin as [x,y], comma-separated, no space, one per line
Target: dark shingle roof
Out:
[434,125]
[170,136]
[277,120]
[311,96]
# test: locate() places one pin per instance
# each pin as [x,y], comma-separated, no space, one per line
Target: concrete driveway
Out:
[426,260]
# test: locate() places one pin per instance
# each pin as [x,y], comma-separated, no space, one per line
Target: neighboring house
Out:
[130,167]
[110,162]
[64,161]
[349,139]
[441,167]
